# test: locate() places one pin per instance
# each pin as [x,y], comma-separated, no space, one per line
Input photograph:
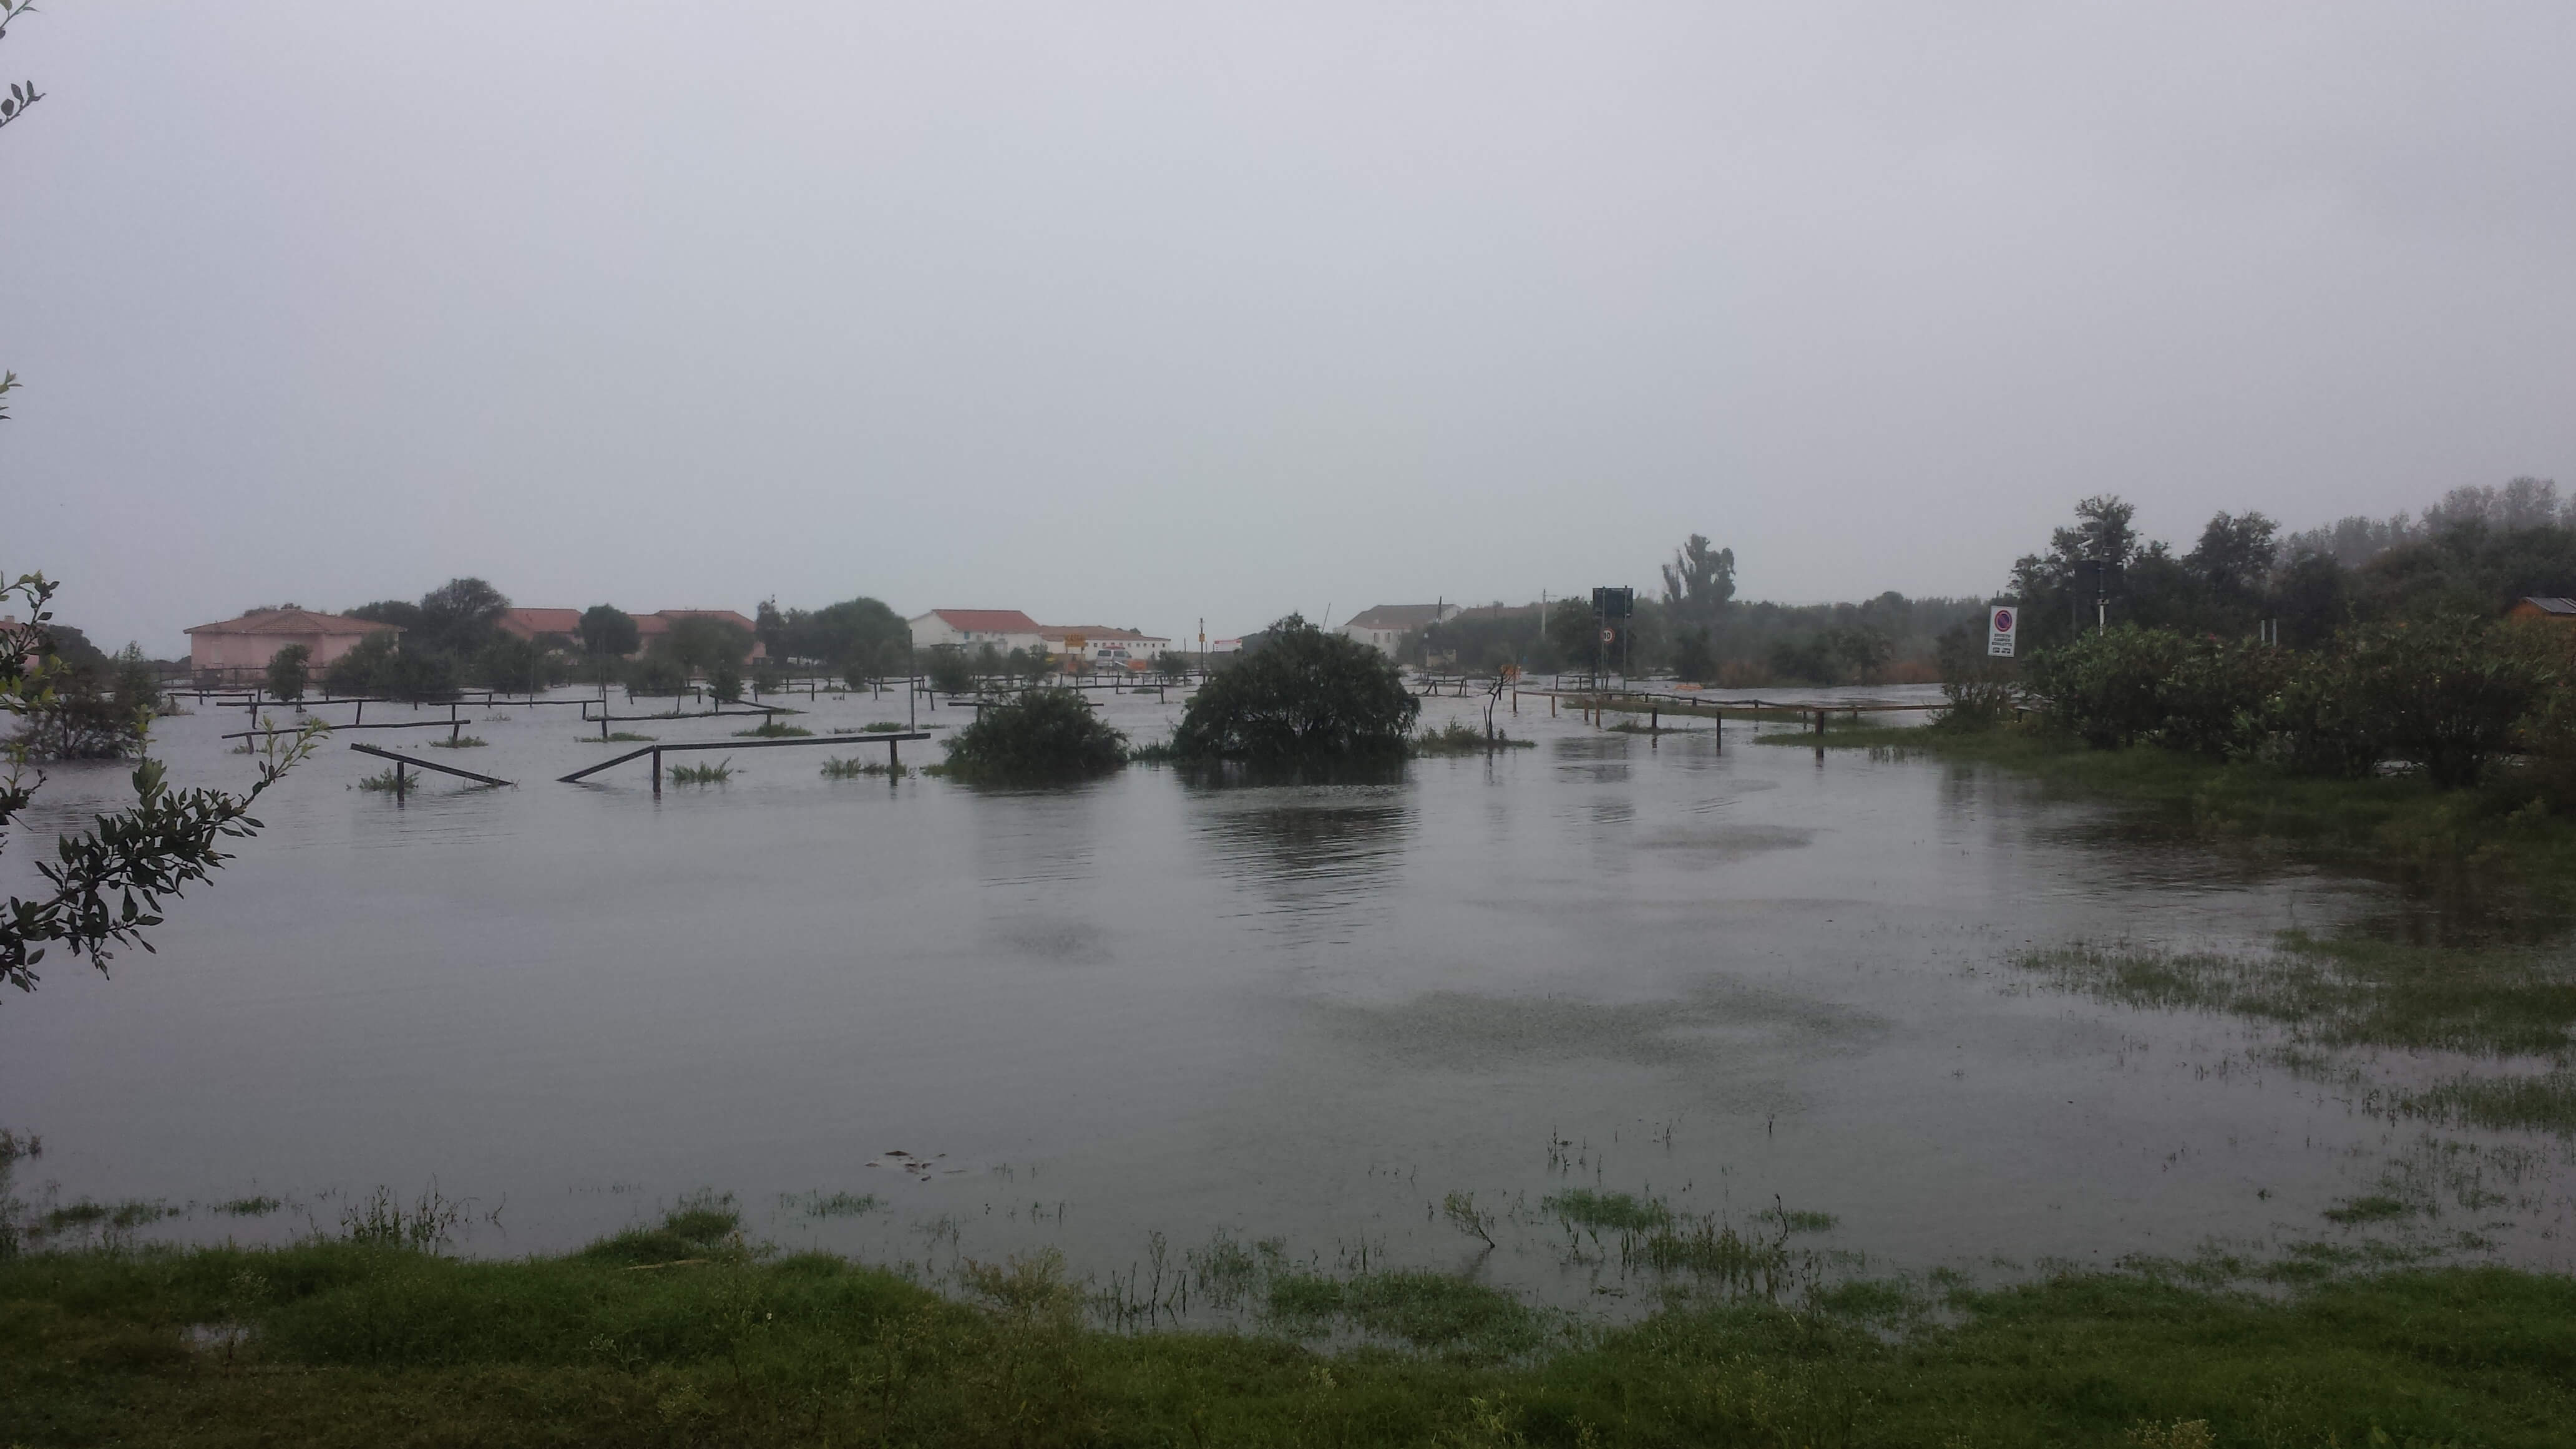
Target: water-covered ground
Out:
[1738,978]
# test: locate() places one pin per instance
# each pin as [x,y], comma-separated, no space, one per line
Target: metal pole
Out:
[657,769]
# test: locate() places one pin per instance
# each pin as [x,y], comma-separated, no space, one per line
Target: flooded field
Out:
[1406,1020]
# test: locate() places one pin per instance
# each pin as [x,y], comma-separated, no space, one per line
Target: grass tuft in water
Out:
[771,730]
[854,769]
[461,742]
[835,1204]
[1458,737]
[715,774]
[381,781]
[620,738]
[703,1225]
[257,1206]
[1616,1212]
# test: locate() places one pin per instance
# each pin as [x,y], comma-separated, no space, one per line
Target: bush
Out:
[1979,687]
[948,670]
[2221,697]
[2447,692]
[657,676]
[1304,694]
[2109,686]
[1045,734]
[354,673]
[513,665]
[2319,724]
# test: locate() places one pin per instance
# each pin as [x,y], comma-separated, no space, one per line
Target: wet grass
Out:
[382,781]
[619,738]
[258,1206]
[715,774]
[2543,1102]
[678,1333]
[772,730]
[881,727]
[461,742]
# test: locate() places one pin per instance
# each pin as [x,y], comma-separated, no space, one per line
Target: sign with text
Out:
[1999,633]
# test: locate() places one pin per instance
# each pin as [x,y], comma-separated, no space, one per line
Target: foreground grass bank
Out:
[679,1335]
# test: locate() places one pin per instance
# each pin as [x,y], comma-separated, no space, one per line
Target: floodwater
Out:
[1727,975]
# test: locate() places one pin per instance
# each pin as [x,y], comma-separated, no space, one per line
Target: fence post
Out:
[657,769]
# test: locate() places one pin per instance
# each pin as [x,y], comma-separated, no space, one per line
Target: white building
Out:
[1004,629]
[1384,627]
[1102,647]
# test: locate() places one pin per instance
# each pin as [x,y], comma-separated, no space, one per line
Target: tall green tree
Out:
[1698,582]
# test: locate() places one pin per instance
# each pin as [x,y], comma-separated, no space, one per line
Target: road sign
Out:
[1614,603]
[1609,636]
[1999,632]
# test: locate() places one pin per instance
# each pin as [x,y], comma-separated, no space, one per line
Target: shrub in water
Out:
[1044,734]
[1304,694]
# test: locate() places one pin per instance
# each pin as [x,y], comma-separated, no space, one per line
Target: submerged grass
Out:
[619,738]
[771,730]
[2399,819]
[2345,991]
[715,774]
[382,780]
[679,1334]
[461,742]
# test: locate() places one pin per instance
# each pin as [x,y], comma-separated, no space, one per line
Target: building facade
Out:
[1004,629]
[246,644]
[1383,628]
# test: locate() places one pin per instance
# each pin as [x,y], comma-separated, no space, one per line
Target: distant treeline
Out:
[452,639]
[1696,631]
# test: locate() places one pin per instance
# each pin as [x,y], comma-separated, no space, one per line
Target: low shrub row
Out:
[2447,693]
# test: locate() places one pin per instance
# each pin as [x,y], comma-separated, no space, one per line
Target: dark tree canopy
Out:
[696,642]
[1305,694]
[1699,582]
[607,629]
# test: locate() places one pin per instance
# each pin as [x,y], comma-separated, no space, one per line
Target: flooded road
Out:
[1740,978]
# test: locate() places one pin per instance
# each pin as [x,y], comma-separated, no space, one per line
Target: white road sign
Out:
[1999,633]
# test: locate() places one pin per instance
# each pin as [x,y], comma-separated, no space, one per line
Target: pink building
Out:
[249,642]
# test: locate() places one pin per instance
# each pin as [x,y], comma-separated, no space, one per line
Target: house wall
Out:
[253,651]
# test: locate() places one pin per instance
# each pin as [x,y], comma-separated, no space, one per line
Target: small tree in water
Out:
[1303,695]
[289,671]
[1045,734]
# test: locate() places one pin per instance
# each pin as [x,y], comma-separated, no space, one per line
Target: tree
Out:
[1044,734]
[289,672]
[697,643]
[513,665]
[1305,695]
[460,616]
[365,668]
[609,630]
[724,680]
[1699,582]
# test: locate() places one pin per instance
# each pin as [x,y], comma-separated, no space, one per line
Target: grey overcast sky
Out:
[1131,315]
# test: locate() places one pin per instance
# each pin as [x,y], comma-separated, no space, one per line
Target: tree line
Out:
[2335,652]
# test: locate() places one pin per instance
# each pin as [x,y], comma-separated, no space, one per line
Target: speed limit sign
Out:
[1609,636]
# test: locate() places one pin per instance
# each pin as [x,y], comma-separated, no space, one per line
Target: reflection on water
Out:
[1182,1002]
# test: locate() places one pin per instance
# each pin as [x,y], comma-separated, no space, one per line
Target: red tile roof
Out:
[292,621]
[529,623]
[987,621]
